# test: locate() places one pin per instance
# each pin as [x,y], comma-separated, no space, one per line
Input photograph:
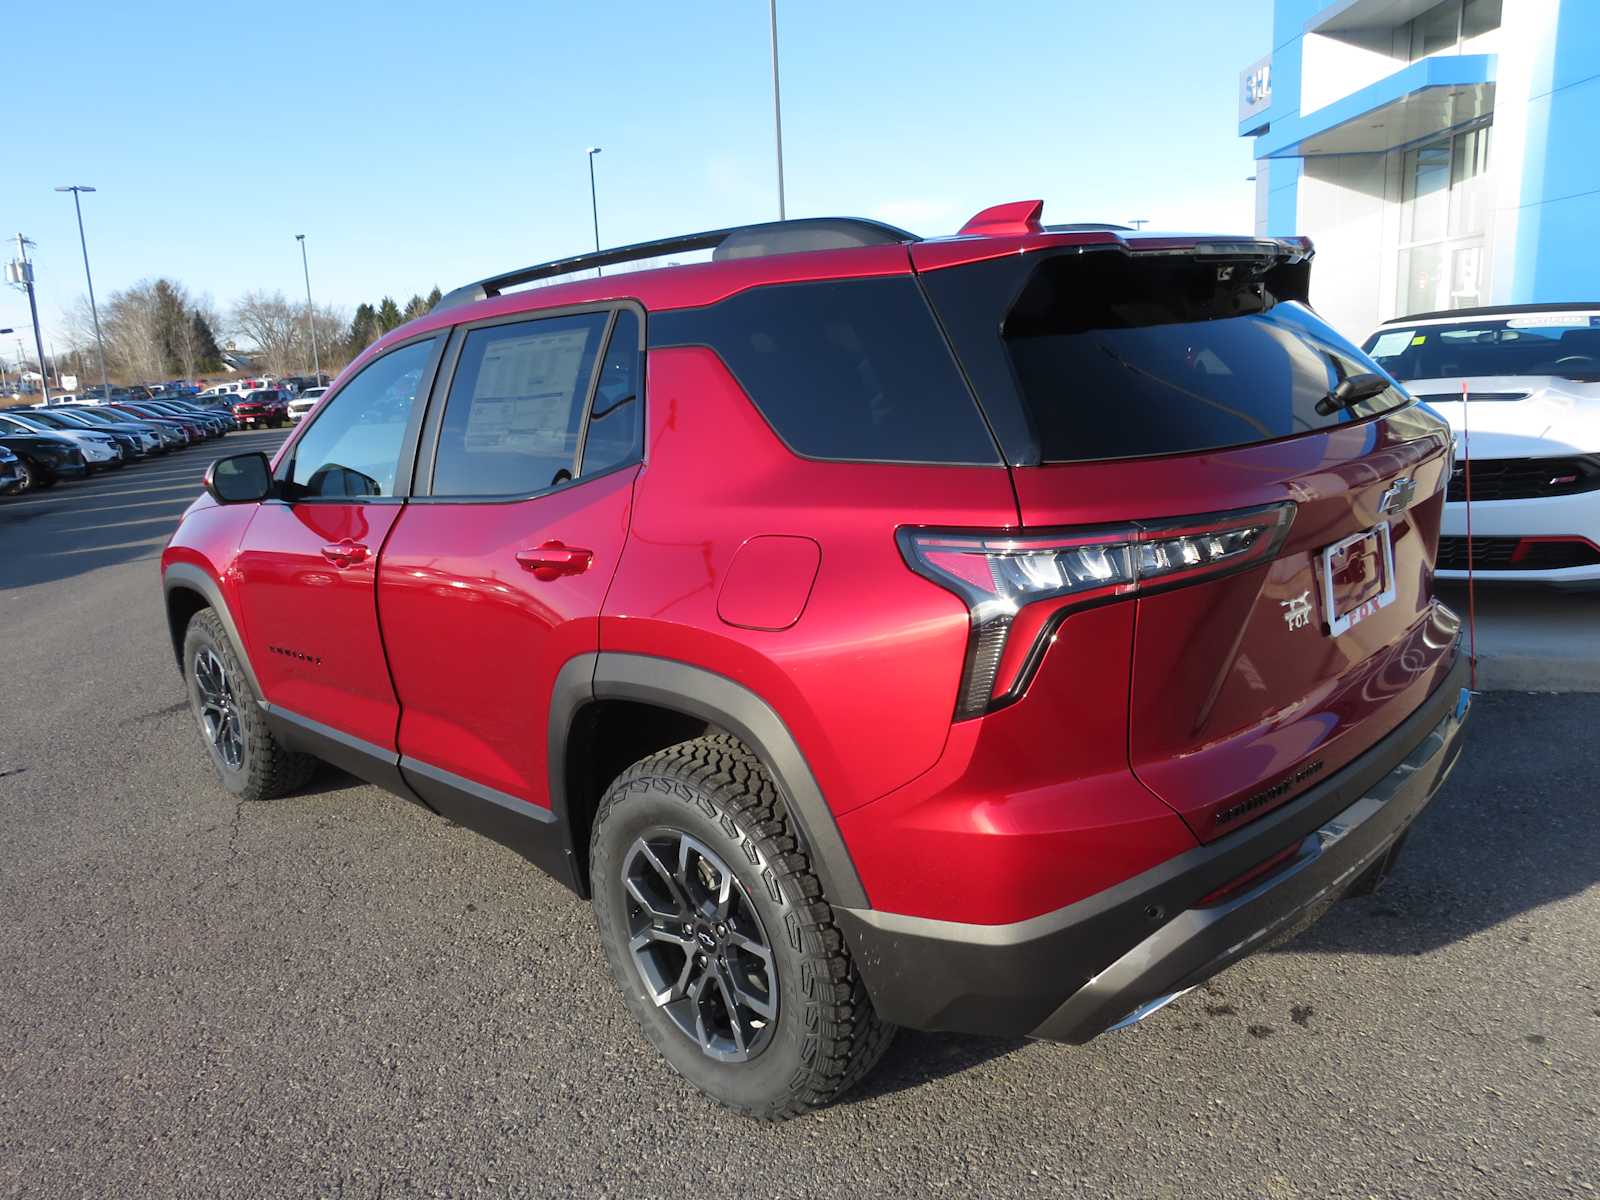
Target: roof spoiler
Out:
[739,241]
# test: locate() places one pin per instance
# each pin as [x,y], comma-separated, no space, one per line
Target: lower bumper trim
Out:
[1072,974]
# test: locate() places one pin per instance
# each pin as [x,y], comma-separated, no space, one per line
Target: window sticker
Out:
[1390,344]
[523,398]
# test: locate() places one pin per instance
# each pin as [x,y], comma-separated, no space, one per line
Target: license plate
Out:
[1357,577]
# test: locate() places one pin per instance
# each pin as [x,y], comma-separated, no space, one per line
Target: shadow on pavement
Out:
[120,516]
[1515,828]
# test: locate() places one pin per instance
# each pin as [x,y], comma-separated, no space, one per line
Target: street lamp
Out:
[594,206]
[311,313]
[100,345]
[777,108]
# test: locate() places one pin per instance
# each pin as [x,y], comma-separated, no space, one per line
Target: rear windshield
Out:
[1560,344]
[1113,356]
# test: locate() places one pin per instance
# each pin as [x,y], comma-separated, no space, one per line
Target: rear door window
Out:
[848,370]
[615,434]
[1117,357]
[515,408]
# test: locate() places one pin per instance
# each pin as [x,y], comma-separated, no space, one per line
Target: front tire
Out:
[717,932]
[250,761]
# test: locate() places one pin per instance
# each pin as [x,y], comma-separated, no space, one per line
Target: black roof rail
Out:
[738,241]
[1088,227]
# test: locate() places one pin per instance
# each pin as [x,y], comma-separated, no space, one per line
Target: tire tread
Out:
[849,1038]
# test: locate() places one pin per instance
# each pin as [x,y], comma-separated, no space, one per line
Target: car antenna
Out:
[1466,480]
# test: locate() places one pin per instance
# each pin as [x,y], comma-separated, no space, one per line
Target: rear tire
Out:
[250,761]
[27,479]
[775,964]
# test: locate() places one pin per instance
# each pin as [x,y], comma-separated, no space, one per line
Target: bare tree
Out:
[132,323]
[269,323]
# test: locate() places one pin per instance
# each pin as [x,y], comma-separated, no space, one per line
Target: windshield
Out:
[1566,345]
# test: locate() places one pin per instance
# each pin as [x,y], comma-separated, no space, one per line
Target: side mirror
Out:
[239,479]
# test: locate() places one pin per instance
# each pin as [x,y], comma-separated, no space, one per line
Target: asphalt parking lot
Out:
[338,994]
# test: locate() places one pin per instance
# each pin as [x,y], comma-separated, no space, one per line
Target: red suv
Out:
[999,633]
[264,408]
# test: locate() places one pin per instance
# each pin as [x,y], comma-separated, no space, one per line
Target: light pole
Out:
[777,108]
[594,205]
[100,345]
[311,313]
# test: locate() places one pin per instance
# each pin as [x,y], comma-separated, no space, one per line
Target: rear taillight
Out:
[1017,587]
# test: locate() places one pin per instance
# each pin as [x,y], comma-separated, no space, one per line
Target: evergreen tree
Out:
[388,314]
[208,354]
[415,307]
[171,319]
[434,297]
[363,329]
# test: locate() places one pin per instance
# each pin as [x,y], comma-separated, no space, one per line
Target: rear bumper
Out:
[1074,973]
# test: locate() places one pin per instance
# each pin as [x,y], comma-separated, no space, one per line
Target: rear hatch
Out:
[1167,409]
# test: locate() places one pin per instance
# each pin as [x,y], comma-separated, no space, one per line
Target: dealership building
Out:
[1440,155]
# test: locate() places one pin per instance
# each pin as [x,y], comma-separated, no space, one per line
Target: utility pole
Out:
[311,313]
[777,107]
[594,204]
[105,380]
[20,272]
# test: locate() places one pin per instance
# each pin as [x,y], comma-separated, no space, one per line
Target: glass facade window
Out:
[1447,207]
[1480,17]
[1437,29]
[1444,27]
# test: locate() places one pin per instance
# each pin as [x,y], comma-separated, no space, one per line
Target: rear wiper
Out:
[1352,390]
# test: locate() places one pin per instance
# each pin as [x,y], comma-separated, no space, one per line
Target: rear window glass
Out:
[1118,357]
[1566,345]
[849,370]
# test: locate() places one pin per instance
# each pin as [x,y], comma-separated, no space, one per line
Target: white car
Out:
[1532,422]
[305,402]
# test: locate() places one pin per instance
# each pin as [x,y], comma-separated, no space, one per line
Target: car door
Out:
[306,567]
[496,571]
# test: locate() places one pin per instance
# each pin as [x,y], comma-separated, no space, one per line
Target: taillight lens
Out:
[1005,579]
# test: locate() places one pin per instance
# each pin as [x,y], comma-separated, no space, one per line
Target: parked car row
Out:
[45,444]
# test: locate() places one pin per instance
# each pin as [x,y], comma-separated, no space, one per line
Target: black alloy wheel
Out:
[218,708]
[699,945]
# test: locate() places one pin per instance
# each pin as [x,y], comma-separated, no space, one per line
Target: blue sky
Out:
[422,144]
